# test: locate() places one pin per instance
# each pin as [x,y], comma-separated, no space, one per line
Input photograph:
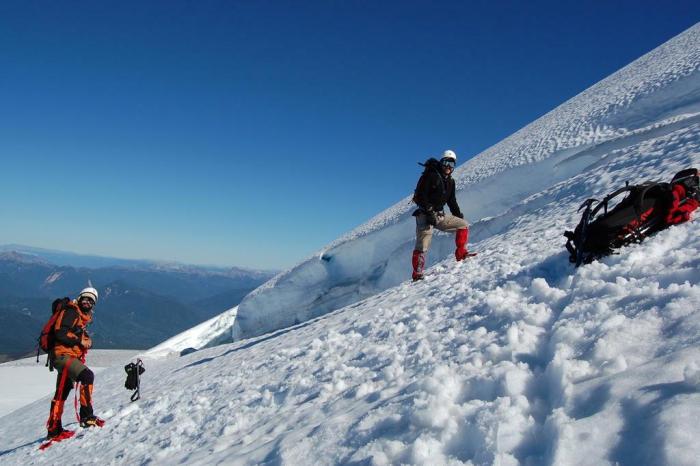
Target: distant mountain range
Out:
[72,259]
[141,302]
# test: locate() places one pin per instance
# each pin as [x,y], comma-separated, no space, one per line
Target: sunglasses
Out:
[448,163]
[87,300]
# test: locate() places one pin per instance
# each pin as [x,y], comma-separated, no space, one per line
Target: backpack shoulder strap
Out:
[606,200]
[574,239]
[644,189]
[591,208]
[58,318]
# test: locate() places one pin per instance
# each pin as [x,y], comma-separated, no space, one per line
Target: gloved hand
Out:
[86,341]
[431,217]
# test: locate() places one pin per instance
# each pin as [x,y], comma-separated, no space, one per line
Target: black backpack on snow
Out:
[133,378]
[605,226]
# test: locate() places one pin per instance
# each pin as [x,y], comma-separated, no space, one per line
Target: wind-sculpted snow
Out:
[514,357]
[652,96]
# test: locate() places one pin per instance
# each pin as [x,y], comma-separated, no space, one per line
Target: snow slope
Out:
[650,98]
[513,357]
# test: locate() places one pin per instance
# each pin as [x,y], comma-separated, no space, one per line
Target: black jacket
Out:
[434,190]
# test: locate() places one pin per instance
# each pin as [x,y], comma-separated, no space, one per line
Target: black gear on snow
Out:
[133,378]
[601,230]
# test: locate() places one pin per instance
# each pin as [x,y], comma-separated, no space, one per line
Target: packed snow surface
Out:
[512,357]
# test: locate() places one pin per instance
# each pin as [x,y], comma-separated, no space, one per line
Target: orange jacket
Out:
[70,329]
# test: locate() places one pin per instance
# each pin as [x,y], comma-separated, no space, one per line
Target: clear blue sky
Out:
[252,133]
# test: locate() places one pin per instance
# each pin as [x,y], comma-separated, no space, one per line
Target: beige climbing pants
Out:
[424,230]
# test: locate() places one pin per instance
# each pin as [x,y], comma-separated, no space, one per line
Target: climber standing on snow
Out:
[72,343]
[436,187]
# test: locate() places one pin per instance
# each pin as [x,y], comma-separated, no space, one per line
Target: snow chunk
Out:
[691,376]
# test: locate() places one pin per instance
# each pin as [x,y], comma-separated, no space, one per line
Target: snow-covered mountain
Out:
[650,98]
[513,357]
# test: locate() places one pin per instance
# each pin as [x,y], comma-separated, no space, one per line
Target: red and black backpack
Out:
[611,223]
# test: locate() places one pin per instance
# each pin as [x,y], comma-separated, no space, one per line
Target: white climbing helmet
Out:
[449,155]
[89,292]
